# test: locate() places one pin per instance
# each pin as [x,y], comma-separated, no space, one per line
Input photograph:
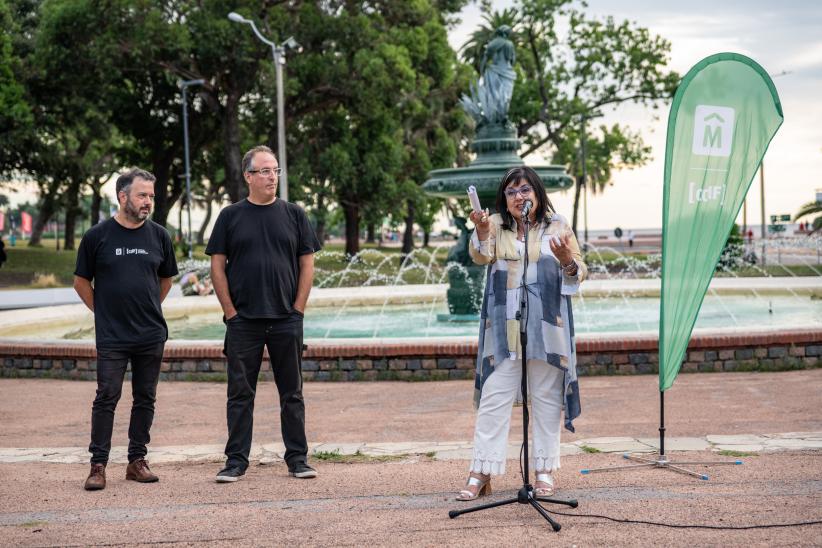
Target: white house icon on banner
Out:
[713,130]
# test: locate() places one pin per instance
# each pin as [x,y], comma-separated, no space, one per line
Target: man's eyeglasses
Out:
[524,190]
[267,171]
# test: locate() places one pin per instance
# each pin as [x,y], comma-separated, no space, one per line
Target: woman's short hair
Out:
[544,206]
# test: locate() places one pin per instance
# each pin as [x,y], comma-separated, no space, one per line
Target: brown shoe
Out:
[138,471]
[96,479]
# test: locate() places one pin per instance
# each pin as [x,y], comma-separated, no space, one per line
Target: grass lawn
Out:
[25,263]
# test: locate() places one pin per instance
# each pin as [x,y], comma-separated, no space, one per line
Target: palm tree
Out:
[811,208]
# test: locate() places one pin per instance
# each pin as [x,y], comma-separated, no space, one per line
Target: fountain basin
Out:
[29,347]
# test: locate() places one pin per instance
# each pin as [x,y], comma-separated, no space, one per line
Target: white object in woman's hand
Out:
[480,220]
[474,199]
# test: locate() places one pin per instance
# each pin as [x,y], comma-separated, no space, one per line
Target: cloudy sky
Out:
[783,36]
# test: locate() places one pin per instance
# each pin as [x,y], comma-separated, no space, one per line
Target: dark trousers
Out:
[111,370]
[244,344]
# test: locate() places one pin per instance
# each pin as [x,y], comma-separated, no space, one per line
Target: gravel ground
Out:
[407,503]
[56,413]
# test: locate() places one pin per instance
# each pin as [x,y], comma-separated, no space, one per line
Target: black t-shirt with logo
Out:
[263,244]
[126,265]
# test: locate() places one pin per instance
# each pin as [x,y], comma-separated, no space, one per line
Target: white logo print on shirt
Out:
[130,251]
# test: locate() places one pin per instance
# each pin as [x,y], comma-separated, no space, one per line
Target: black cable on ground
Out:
[673,525]
[681,526]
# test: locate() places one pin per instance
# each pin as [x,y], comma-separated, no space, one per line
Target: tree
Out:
[565,80]
[365,68]
[811,208]
[16,118]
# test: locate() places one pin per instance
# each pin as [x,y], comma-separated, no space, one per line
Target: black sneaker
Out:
[302,470]
[230,474]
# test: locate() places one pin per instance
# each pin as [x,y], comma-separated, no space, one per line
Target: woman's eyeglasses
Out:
[512,192]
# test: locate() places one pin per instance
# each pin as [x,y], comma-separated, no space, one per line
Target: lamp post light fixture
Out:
[184,84]
[278,53]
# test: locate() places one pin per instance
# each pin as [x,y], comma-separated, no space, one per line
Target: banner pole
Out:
[662,424]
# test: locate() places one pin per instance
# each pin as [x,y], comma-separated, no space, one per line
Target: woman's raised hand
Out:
[482,222]
[561,248]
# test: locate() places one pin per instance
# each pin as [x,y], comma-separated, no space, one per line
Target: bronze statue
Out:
[491,97]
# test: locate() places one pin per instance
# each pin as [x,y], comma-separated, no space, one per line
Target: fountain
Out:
[496,147]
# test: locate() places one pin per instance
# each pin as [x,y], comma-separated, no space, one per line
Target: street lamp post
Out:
[584,182]
[184,85]
[278,53]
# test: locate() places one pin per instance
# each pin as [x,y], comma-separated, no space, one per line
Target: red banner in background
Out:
[25,222]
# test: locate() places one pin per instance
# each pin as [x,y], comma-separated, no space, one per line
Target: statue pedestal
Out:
[466,286]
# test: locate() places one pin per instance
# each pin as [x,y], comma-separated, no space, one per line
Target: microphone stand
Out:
[525,495]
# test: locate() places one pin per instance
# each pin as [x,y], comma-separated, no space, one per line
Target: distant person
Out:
[630,238]
[750,236]
[131,261]
[262,266]
[3,256]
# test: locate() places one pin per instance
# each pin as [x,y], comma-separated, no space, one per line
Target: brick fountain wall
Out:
[608,354]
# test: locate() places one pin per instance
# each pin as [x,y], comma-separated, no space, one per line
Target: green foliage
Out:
[565,79]
[734,453]
[356,458]
[16,117]
[733,256]
[811,208]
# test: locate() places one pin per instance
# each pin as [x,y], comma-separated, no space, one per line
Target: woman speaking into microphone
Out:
[555,270]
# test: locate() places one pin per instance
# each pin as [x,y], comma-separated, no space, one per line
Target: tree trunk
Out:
[234,182]
[180,237]
[426,238]
[72,212]
[369,231]
[408,234]
[577,193]
[96,200]
[352,229]
[161,169]
[322,216]
[45,212]
[206,221]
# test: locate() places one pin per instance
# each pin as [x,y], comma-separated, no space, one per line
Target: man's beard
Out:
[134,214]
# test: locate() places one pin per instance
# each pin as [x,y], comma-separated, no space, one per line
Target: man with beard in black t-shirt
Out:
[262,265]
[131,262]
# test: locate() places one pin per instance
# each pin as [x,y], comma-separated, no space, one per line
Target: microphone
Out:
[526,208]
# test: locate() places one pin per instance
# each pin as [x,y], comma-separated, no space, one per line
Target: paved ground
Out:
[773,418]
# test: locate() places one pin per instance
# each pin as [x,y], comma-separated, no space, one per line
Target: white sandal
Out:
[547,479]
[483,488]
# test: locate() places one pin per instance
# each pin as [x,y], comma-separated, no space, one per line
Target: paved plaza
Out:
[392,455]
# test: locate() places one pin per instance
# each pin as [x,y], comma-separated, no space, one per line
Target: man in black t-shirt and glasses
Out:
[131,262]
[262,265]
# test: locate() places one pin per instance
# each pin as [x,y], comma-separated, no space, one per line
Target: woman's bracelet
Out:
[569,268]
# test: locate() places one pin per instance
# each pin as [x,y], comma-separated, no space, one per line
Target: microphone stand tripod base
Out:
[524,496]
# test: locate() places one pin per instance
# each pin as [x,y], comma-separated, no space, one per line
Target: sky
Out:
[784,36]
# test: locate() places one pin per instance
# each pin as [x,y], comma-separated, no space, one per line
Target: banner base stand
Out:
[661,460]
